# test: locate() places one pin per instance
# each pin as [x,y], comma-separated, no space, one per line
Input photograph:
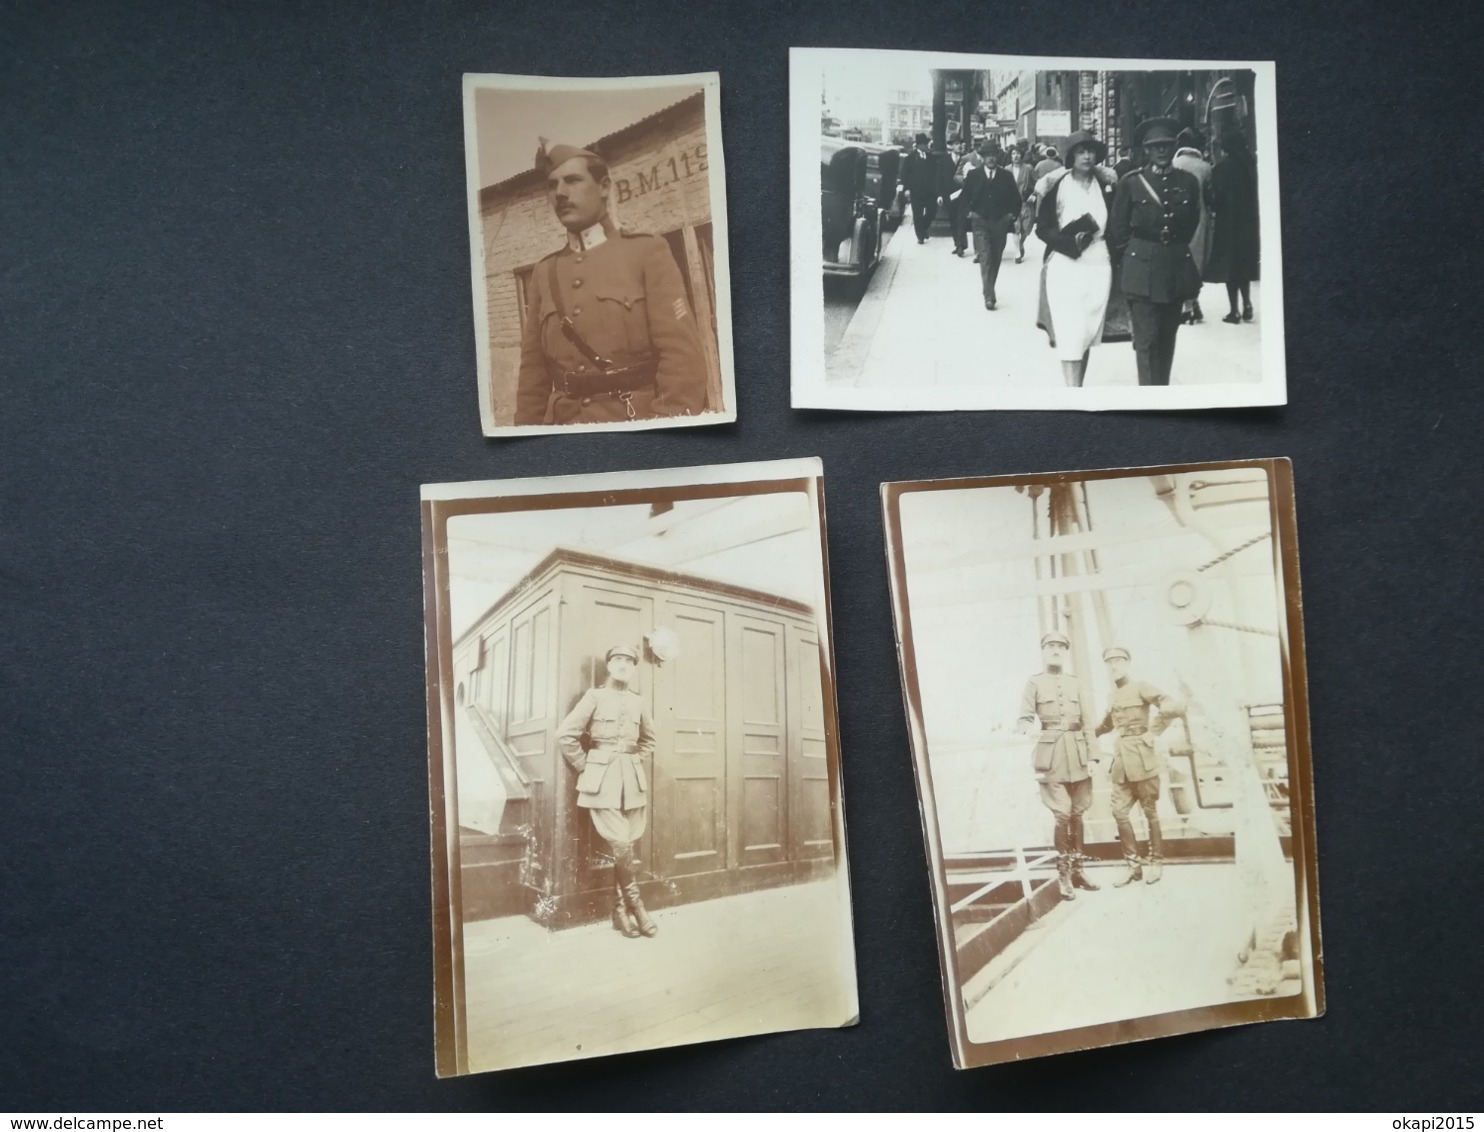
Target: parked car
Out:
[858,203]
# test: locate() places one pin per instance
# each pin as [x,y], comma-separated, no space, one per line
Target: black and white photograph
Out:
[598,243]
[1105,687]
[1009,232]
[638,835]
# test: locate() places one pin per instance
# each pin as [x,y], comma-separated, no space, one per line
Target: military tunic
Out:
[1134,756]
[610,779]
[1135,761]
[1055,700]
[1154,218]
[627,301]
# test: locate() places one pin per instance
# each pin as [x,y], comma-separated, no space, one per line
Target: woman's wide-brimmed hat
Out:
[1084,140]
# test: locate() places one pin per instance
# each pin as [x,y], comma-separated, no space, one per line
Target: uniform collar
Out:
[590,238]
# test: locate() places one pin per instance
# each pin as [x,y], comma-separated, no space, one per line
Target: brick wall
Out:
[660,183]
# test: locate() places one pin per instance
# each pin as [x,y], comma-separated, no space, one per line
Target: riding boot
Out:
[1064,877]
[1135,873]
[1079,878]
[646,926]
[1156,853]
[622,921]
[622,875]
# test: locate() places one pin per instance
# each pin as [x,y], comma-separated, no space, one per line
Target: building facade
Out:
[659,170]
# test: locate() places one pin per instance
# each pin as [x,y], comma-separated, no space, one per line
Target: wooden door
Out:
[689,814]
[812,828]
[757,815]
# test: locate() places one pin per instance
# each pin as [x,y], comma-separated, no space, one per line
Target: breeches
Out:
[1154,326]
[621,827]
[1068,799]
[1146,794]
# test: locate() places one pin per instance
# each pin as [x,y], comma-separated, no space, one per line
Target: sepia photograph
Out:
[638,837]
[598,243]
[1104,679]
[1010,232]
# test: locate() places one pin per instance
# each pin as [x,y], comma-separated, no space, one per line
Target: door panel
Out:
[756,774]
[813,828]
[690,821]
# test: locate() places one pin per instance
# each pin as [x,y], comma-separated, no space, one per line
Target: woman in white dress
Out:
[1072,222]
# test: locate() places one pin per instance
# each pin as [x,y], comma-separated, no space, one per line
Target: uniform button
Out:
[582,368]
[580,257]
[576,283]
[576,310]
[587,400]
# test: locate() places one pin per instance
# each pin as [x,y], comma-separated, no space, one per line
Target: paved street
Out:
[922,323]
[756,963]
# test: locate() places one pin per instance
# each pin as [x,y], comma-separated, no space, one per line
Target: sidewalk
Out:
[760,962]
[922,323]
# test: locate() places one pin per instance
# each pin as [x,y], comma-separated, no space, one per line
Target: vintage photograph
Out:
[1104,677]
[1006,232]
[638,838]
[598,242]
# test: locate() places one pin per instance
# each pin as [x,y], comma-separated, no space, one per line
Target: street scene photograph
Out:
[598,235]
[1116,794]
[1005,232]
[633,765]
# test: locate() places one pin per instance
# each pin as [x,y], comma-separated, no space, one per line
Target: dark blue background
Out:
[235,336]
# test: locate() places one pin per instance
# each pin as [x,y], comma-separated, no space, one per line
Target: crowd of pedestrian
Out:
[1128,246]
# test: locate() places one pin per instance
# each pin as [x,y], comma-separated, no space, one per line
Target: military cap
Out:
[1152,130]
[623,650]
[1116,653]
[1055,639]
[548,157]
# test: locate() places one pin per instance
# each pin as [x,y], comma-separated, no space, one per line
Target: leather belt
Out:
[613,382]
[1133,731]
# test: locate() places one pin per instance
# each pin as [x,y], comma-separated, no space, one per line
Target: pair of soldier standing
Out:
[1056,702]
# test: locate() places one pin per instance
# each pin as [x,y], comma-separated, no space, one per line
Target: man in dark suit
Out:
[920,173]
[993,202]
[1155,213]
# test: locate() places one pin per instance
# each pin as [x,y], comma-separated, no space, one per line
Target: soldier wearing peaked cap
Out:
[609,334]
[1156,211]
[605,739]
[1136,763]
[1055,703]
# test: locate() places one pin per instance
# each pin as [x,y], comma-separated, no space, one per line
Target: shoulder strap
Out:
[1148,188]
[551,284]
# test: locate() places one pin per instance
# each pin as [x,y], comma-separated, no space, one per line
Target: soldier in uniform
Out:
[605,739]
[609,334]
[1135,763]
[1056,703]
[1156,210]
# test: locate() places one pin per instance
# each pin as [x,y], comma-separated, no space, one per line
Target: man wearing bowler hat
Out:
[994,205]
[1054,702]
[1156,209]
[605,739]
[609,334]
[1135,763]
